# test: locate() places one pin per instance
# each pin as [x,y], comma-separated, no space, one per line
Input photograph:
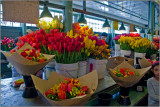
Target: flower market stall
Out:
[56,59]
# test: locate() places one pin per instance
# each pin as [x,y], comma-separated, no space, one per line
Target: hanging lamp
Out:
[82,21]
[142,31]
[46,15]
[106,25]
[122,28]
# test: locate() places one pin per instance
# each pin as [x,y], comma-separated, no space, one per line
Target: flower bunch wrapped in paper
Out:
[68,92]
[69,88]
[7,44]
[124,72]
[145,62]
[27,60]
[115,61]
[54,24]
[126,75]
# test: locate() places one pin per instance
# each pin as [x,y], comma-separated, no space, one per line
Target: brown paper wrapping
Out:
[144,63]
[24,66]
[90,80]
[24,11]
[115,61]
[130,80]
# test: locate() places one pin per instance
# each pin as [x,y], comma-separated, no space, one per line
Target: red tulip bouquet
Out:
[7,44]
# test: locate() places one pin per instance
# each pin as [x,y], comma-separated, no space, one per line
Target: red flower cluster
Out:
[40,40]
[69,88]
[66,44]
[7,43]
[156,41]
[124,72]
[132,35]
[31,54]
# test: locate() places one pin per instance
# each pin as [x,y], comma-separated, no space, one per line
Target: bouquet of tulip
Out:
[67,49]
[141,45]
[26,61]
[41,41]
[67,92]
[116,38]
[7,43]
[124,72]
[156,39]
[157,44]
[125,42]
[127,77]
[67,89]
[151,50]
[99,49]
[33,55]
[135,35]
[54,24]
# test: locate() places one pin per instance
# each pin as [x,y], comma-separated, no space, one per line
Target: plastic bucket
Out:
[125,53]
[117,50]
[82,69]
[67,70]
[99,66]
[48,69]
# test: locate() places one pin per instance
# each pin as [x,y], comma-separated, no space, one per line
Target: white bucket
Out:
[48,69]
[67,70]
[117,50]
[140,55]
[125,52]
[99,66]
[82,70]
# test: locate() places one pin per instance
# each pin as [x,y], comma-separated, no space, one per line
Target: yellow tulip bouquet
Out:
[54,24]
[141,45]
[125,42]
